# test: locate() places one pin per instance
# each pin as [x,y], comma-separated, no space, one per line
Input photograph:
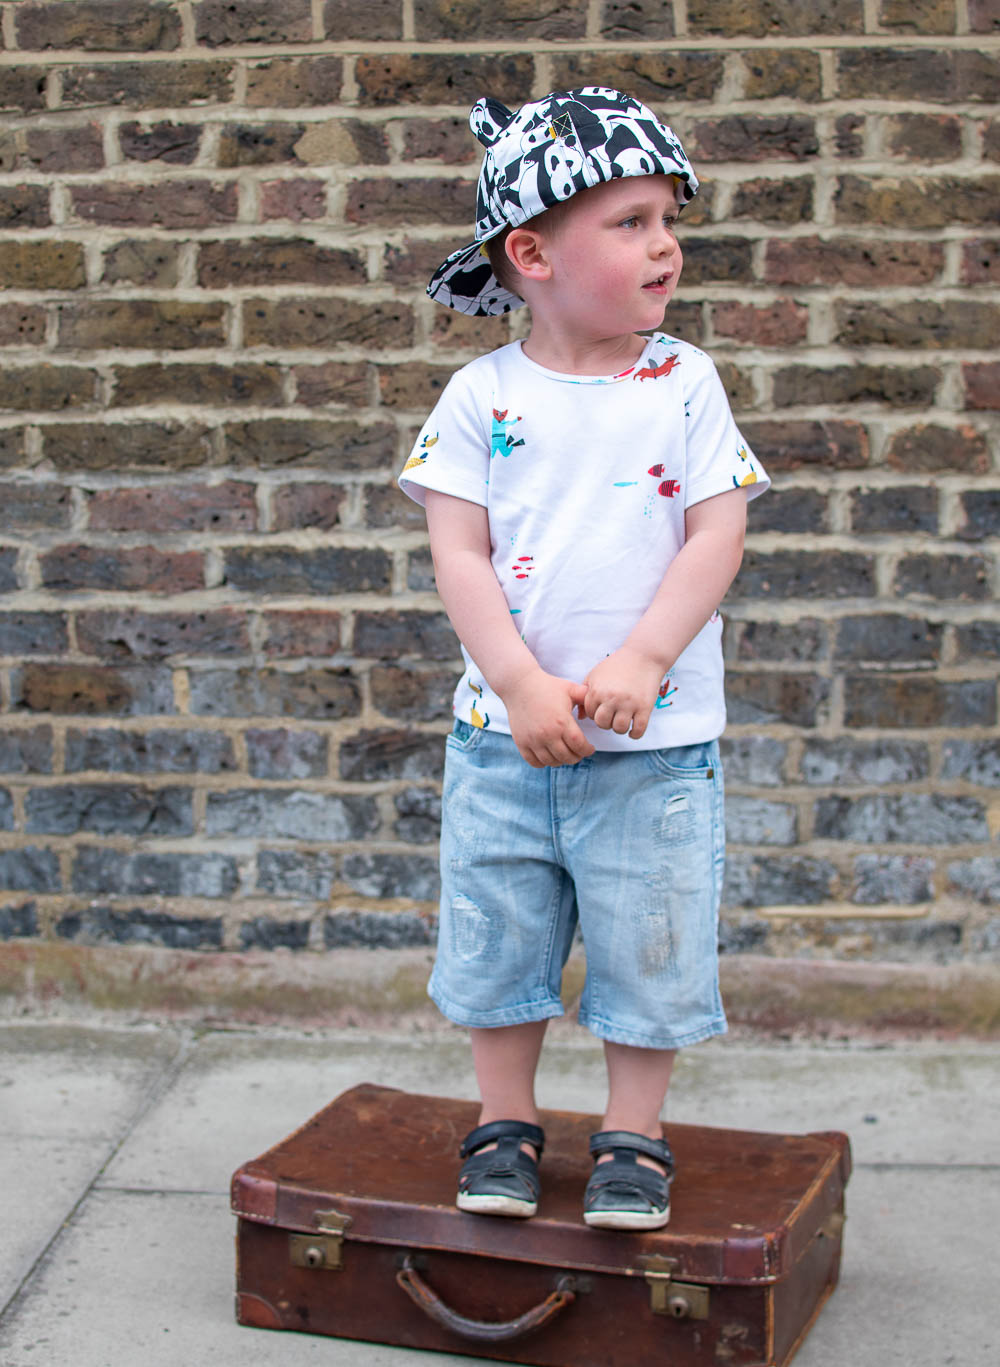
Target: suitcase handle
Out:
[483,1331]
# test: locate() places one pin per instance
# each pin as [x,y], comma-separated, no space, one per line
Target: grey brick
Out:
[755,760]
[777,880]
[377,930]
[311,694]
[916,818]
[102,925]
[420,572]
[289,873]
[287,754]
[109,809]
[333,570]
[795,699]
[115,872]
[747,935]
[26,752]
[33,633]
[149,752]
[899,878]
[888,638]
[979,641]
[412,693]
[391,635]
[393,875]
[869,763]
[374,755]
[978,878]
[753,821]
[30,870]
[976,761]
[265,932]
[419,819]
[6,810]
[287,814]
[18,923]
[802,641]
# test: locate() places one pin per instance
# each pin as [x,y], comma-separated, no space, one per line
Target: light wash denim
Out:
[628,847]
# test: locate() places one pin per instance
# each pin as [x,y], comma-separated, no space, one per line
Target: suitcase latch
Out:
[680,1300]
[324,1250]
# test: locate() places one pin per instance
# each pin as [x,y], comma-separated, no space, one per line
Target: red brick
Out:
[244,144]
[220,22]
[982,384]
[984,16]
[443,78]
[924,137]
[851,261]
[24,206]
[295,200]
[23,88]
[65,149]
[164,324]
[925,203]
[123,634]
[277,261]
[21,325]
[930,447]
[289,635]
[755,137]
[796,444]
[657,77]
[42,266]
[98,25]
[228,507]
[410,201]
[458,20]
[981,262]
[779,324]
[148,85]
[140,568]
[175,144]
[294,82]
[297,506]
[167,204]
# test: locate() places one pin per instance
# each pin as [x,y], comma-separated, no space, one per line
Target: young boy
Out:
[586,499]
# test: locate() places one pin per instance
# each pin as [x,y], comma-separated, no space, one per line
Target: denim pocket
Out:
[700,761]
[465,737]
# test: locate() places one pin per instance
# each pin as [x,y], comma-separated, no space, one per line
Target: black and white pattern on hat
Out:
[542,155]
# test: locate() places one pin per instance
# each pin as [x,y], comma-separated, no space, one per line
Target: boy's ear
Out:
[525,248]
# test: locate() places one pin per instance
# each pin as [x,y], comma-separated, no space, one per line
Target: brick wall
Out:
[225,676]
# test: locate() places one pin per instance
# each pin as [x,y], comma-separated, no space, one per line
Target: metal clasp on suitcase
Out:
[681,1300]
[322,1250]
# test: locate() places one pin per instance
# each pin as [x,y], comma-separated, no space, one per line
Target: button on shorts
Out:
[629,847]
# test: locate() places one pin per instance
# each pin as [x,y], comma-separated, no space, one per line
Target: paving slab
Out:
[68,1096]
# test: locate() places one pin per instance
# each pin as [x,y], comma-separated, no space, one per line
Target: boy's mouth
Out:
[659,283]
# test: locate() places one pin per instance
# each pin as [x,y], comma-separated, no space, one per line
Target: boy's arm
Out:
[539,705]
[622,689]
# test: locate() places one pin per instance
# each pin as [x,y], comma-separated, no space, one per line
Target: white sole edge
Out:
[626,1219]
[496,1205]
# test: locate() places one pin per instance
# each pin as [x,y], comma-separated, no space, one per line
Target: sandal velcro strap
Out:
[608,1141]
[503,1129]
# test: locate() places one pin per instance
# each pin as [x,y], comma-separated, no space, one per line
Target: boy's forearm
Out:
[477,609]
[692,588]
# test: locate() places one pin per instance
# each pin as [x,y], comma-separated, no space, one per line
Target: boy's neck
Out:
[582,356]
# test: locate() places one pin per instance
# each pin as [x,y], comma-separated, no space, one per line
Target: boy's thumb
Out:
[578,693]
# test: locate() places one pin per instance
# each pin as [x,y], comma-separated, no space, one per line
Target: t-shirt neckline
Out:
[615,378]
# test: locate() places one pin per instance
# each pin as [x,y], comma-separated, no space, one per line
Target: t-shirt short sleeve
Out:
[452,453]
[718,456]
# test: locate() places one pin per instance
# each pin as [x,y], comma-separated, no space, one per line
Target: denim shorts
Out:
[629,847]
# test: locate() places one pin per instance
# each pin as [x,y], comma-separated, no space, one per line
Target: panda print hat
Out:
[546,152]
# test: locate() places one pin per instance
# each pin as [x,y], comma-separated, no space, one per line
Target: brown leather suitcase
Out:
[348,1228]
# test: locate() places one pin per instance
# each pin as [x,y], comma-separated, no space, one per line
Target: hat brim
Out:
[465,282]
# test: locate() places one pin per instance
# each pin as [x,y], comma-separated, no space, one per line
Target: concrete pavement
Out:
[117,1143]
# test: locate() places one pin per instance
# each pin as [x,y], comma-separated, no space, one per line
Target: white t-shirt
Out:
[585,480]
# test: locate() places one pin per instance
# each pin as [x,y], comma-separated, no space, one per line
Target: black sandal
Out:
[504,1180]
[622,1193]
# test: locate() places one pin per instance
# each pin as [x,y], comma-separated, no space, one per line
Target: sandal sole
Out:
[626,1219]
[496,1205]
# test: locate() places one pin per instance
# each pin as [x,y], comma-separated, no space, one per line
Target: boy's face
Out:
[614,257]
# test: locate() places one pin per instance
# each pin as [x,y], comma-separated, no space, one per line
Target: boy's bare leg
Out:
[637,1088]
[506,1060]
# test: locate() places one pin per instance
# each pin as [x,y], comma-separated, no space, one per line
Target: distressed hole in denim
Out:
[474,933]
[679,819]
